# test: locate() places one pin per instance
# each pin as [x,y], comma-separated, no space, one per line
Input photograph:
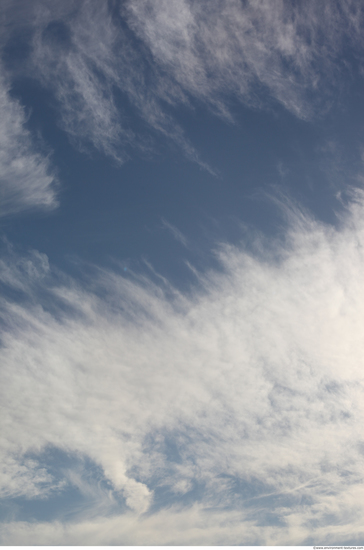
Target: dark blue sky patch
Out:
[57,35]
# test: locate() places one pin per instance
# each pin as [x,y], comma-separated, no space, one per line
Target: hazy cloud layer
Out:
[243,398]
[26,179]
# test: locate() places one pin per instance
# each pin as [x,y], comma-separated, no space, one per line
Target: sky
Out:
[181,272]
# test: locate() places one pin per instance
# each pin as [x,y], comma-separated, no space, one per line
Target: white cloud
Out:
[245,395]
[25,477]
[76,61]
[90,62]
[215,49]
[19,272]
[171,53]
[26,179]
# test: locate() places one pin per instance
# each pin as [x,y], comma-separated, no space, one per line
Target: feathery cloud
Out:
[245,394]
[110,65]
[218,49]
[26,179]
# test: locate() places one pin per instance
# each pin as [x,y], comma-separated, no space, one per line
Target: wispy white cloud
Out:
[242,397]
[92,63]
[223,48]
[74,56]
[24,477]
[109,67]
[26,178]
[20,272]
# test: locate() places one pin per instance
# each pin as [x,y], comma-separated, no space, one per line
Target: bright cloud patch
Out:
[243,397]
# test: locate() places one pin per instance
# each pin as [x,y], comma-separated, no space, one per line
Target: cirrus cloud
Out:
[104,62]
[242,400]
[26,180]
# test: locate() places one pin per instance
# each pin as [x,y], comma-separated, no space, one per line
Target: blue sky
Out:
[181,272]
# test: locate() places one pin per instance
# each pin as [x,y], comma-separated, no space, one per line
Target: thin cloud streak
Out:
[254,378]
[177,234]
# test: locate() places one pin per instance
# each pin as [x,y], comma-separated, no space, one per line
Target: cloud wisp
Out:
[26,178]
[177,234]
[248,50]
[88,58]
[105,61]
[241,400]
